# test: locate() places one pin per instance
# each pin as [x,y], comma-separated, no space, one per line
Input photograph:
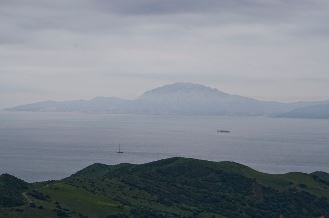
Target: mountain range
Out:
[174,187]
[177,98]
[314,112]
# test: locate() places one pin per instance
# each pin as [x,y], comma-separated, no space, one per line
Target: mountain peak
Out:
[183,87]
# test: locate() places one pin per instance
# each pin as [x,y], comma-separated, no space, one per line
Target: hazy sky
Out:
[72,49]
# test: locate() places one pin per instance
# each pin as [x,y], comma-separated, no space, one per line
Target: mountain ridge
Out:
[183,86]
[320,111]
[176,98]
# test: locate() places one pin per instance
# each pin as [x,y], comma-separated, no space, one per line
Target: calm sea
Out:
[43,146]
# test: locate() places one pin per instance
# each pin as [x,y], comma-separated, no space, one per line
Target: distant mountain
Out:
[174,187]
[98,104]
[177,98]
[187,98]
[320,111]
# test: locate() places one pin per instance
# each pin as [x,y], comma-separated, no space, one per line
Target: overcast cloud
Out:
[71,49]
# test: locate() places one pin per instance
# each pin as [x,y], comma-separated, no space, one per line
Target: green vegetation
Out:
[11,190]
[175,187]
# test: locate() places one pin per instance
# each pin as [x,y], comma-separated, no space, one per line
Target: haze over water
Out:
[43,146]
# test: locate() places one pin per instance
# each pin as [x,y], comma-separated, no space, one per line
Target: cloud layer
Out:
[67,49]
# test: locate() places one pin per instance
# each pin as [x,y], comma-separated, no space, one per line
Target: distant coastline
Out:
[184,99]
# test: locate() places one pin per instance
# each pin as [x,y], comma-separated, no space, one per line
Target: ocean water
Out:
[43,146]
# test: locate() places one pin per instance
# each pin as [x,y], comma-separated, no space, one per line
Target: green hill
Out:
[175,187]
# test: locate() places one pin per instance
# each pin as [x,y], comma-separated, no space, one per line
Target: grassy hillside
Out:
[175,187]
